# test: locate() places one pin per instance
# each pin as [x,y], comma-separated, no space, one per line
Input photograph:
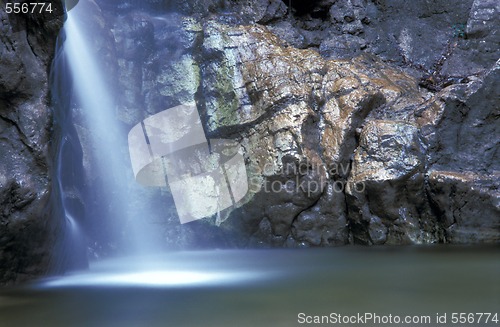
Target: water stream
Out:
[92,99]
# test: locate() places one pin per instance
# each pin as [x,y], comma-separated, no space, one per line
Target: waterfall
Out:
[70,250]
[107,148]
[81,89]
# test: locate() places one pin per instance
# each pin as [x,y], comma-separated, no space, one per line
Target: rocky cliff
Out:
[361,122]
[27,226]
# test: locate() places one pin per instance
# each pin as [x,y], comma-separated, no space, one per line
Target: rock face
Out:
[356,127]
[439,41]
[298,123]
[459,128]
[27,226]
[341,142]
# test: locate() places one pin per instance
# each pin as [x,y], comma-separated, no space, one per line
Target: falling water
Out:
[106,145]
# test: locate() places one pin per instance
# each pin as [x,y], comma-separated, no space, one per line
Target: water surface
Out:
[263,288]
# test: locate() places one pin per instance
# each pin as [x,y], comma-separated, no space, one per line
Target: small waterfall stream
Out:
[81,89]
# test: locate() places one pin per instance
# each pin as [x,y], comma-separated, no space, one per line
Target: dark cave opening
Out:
[314,8]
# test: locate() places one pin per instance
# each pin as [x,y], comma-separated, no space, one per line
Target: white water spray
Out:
[106,139]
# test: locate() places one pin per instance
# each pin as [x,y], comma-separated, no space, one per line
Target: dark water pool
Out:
[267,288]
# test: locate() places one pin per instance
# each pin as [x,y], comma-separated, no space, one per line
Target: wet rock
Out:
[235,95]
[478,39]
[386,192]
[342,47]
[336,150]
[349,15]
[443,40]
[459,126]
[288,33]
[304,111]
[324,224]
[274,10]
[468,205]
[27,226]
[171,73]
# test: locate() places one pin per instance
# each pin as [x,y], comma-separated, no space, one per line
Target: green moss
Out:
[220,76]
[180,79]
[226,100]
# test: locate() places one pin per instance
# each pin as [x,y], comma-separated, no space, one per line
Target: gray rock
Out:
[288,33]
[460,125]
[342,47]
[350,15]
[386,192]
[324,224]
[441,39]
[468,205]
[477,47]
[460,130]
[27,226]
